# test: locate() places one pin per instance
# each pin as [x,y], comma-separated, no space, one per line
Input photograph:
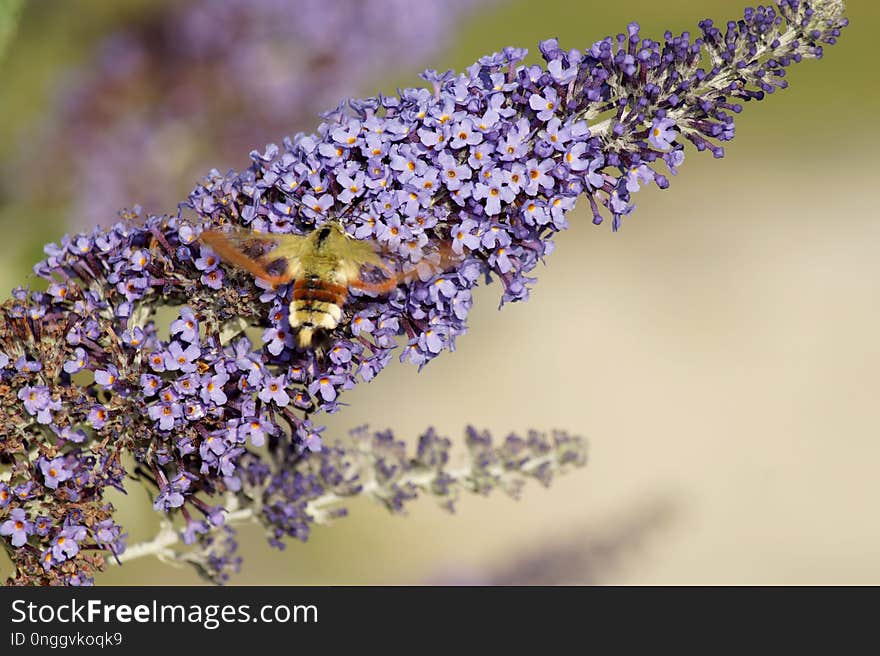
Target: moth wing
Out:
[438,260]
[234,246]
[292,249]
[287,246]
[360,252]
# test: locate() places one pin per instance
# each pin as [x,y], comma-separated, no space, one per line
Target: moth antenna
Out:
[298,202]
[293,199]
[446,259]
[349,208]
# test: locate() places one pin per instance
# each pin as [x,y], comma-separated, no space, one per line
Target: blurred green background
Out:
[720,352]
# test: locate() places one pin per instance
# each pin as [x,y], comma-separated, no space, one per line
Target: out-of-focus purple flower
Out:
[74,435]
[34,398]
[24,365]
[210,103]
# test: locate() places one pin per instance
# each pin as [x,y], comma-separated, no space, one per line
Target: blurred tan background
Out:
[720,352]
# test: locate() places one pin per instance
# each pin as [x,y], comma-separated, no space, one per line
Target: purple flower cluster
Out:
[88,378]
[488,164]
[170,96]
[289,498]
[477,172]
[52,510]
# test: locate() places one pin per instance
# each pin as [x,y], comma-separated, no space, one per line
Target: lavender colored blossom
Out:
[180,357]
[212,389]
[190,398]
[67,543]
[106,378]
[171,496]
[42,526]
[78,362]
[108,533]
[187,326]
[17,527]
[97,416]
[307,492]
[165,414]
[55,471]
[274,391]
[662,133]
